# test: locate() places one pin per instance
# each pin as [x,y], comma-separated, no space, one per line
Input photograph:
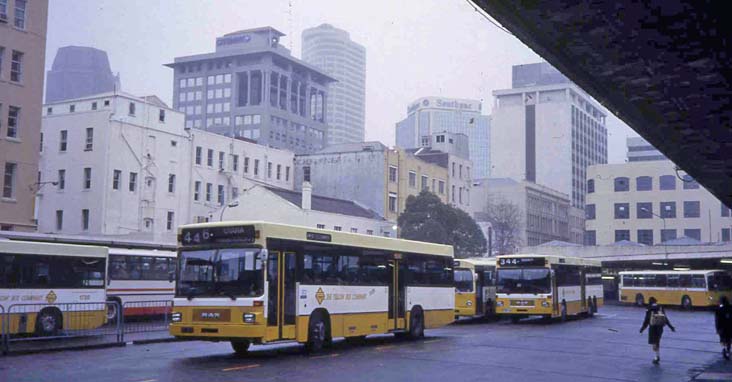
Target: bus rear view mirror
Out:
[171,277]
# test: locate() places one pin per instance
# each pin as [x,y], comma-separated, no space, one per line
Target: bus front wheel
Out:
[317,333]
[48,322]
[590,307]
[564,311]
[686,302]
[416,324]
[639,300]
[241,348]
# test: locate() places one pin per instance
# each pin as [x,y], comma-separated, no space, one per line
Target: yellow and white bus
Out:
[256,282]
[475,288]
[547,286]
[700,288]
[46,288]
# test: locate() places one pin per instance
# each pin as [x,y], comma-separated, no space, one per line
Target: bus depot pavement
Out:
[605,348]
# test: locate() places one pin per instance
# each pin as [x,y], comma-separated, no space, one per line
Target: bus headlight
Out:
[249,318]
[176,317]
[499,303]
[545,304]
[468,303]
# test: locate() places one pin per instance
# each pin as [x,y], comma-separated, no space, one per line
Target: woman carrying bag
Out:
[656,319]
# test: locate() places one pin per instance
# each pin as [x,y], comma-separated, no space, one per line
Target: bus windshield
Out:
[719,282]
[523,280]
[463,280]
[226,272]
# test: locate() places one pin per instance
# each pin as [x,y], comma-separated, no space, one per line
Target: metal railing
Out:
[33,327]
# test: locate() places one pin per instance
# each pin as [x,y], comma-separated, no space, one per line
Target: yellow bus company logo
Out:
[51,297]
[320,296]
[210,315]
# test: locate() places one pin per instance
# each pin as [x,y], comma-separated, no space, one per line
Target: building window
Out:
[9,180]
[621,184]
[94,106]
[234,193]
[161,115]
[392,202]
[89,139]
[16,66]
[645,236]
[412,179]
[725,234]
[209,190]
[116,177]
[197,191]
[209,158]
[321,226]
[62,142]
[425,182]
[725,211]
[61,179]
[221,160]
[668,234]
[337,228]
[72,108]
[246,165]
[643,183]
[287,173]
[667,182]
[622,234]
[256,168]
[279,171]
[690,183]
[590,186]
[306,173]
[20,6]
[59,220]
[393,174]
[590,212]
[87,178]
[442,187]
[235,163]
[590,238]
[644,210]
[691,209]
[668,209]
[694,233]
[621,211]
[131,108]
[49,110]
[133,182]
[171,183]
[369,232]
[269,170]
[199,154]
[85,219]
[106,102]
[221,195]
[169,221]
[13,121]
[354,230]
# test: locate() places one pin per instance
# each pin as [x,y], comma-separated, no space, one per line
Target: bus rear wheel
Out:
[686,303]
[564,311]
[48,322]
[241,348]
[590,307]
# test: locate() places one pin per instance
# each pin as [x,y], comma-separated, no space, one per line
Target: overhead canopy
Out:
[661,66]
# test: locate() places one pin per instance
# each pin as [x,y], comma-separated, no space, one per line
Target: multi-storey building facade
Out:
[547,134]
[252,87]
[639,150]
[22,57]
[372,175]
[332,50]
[650,202]
[430,115]
[80,71]
[118,164]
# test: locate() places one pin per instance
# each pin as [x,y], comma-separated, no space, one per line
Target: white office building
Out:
[332,50]
[547,131]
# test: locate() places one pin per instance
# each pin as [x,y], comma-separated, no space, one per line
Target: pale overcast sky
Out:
[414,48]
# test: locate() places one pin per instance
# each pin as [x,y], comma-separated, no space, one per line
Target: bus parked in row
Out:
[687,289]
[46,288]
[141,281]
[475,288]
[547,286]
[254,282]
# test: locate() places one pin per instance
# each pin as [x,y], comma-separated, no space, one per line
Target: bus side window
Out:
[628,281]
[685,281]
[697,281]
[673,281]
[660,281]
[134,267]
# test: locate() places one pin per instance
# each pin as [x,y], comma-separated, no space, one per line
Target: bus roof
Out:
[51,249]
[554,259]
[141,252]
[690,272]
[293,232]
[478,261]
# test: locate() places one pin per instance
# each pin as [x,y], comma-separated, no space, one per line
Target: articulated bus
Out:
[141,281]
[46,288]
[475,288]
[700,288]
[547,286]
[255,283]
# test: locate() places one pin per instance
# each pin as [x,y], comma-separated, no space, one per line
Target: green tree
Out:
[426,218]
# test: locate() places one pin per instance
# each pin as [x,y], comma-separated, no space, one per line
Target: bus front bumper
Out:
[523,307]
[216,323]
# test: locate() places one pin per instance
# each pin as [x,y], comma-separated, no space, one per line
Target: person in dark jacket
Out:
[656,330]
[723,323]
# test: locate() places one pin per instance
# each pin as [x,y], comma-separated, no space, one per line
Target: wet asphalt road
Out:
[605,348]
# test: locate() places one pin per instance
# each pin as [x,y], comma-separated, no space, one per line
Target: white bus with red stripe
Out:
[141,281]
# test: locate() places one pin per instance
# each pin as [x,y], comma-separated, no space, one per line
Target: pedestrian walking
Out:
[655,320]
[723,323]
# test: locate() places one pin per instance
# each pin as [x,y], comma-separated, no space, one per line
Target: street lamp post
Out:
[235,203]
[665,247]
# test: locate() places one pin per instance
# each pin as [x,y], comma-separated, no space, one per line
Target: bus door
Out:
[583,290]
[281,295]
[397,291]
[555,294]
[478,284]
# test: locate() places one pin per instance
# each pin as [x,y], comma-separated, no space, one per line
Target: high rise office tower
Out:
[79,71]
[332,50]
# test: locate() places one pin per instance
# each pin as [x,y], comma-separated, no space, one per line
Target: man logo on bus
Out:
[320,296]
[51,297]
